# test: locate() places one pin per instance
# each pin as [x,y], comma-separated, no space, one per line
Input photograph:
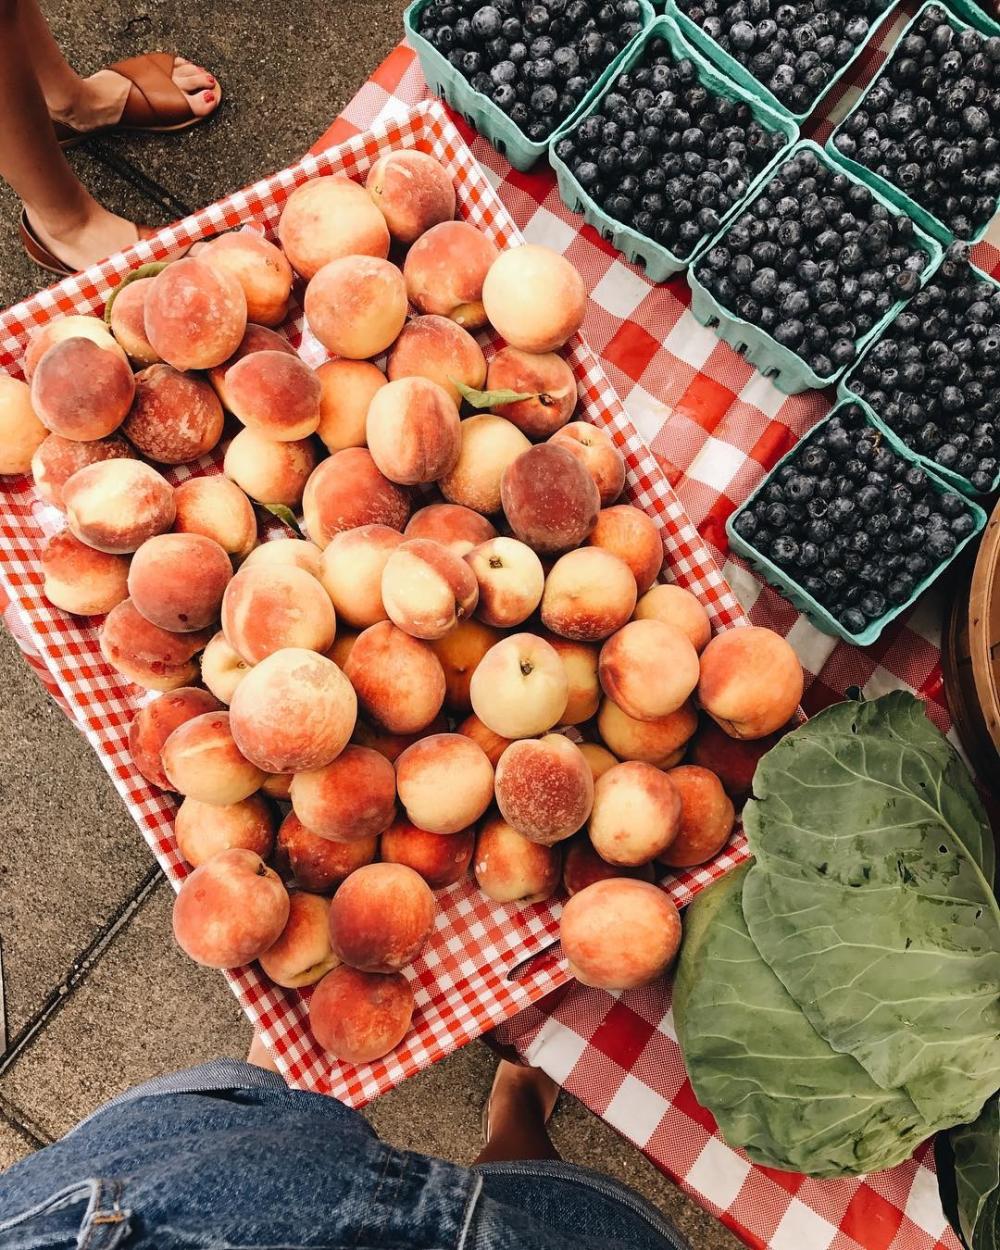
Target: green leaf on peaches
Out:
[485,400]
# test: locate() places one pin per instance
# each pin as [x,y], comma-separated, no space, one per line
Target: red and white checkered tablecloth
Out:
[715,426]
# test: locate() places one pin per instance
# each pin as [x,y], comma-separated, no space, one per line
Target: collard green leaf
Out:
[976,1151]
[776,1088]
[872,901]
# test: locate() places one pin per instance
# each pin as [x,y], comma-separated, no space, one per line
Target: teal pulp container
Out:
[825,621]
[787,370]
[932,224]
[732,68]
[479,110]
[955,480]
[659,261]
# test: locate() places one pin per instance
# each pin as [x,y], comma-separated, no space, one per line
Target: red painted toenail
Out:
[209,97]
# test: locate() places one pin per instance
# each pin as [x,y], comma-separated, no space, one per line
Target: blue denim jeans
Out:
[225,1156]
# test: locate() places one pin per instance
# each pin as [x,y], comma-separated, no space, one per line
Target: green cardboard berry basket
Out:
[659,261]
[478,109]
[786,368]
[739,73]
[931,224]
[824,620]
[955,480]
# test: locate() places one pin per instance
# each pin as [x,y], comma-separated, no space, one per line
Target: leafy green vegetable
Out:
[976,1151]
[149,270]
[872,901]
[775,1087]
[484,400]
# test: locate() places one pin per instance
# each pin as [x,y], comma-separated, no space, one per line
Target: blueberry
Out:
[853,620]
[940,545]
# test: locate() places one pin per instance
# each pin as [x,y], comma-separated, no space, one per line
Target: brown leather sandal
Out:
[155,103]
[45,259]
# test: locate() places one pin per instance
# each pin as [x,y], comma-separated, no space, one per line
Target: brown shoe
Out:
[48,260]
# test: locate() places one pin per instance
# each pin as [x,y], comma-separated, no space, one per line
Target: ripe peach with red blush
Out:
[177,581]
[79,579]
[636,814]
[427,589]
[649,669]
[489,445]
[441,859]
[707,817]
[546,379]
[195,315]
[660,742]
[276,395]
[413,431]
[582,866]
[413,192]
[329,218]
[351,572]
[381,918]
[452,525]
[203,762]
[580,661]
[351,799]
[81,390]
[261,269]
[632,536]
[255,339]
[445,270]
[115,505]
[347,490]
[461,651]
[216,508]
[534,298]
[356,306]
[511,869]
[358,1017]
[445,782]
[751,681]
[399,680]
[74,326]
[619,934]
[222,668]
[267,609]
[156,721]
[153,658]
[549,499]
[230,910]
[511,580]
[347,388]
[492,743]
[678,607]
[56,459]
[128,322]
[175,417]
[589,595]
[544,788]
[438,349]
[315,863]
[302,955]
[594,449]
[296,553]
[204,829]
[268,471]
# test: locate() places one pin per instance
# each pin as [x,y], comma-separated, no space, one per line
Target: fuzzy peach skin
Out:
[328,218]
[632,536]
[347,490]
[115,505]
[509,868]
[493,744]
[393,745]
[550,499]
[177,581]
[21,432]
[268,471]
[580,662]
[413,192]
[546,379]
[381,918]
[79,579]
[156,721]
[733,760]
[357,1017]
[81,391]
[599,758]
[582,866]
[520,687]
[636,814]
[751,681]
[128,322]
[203,762]
[277,786]
[707,817]
[255,339]
[230,911]
[452,525]
[342,647]
[489,446]
[351,799]
[75,326]
[461,651]
[216,508]
[351,572]
[678,607]
[441,351]
[445,270]
[660,742]
[293,711]
[143,653]
[296,553]
[649,669]
[275,394]
[544,788]
[222,668]
[511,580]
[534,298]
[413,431]
[316,863]
[204,829]
[195,315]
[260,268]
[619,934]
[56,459]
[175,417]
[445,782]
[589,595]
[427,589]
[356,306]
[302,955]
[598,455]
[399,680]
[267,609]
[347,388]
[441,859]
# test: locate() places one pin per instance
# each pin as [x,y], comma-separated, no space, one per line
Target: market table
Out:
[715,426]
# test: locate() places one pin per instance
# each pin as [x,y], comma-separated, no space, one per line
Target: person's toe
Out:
[198,85]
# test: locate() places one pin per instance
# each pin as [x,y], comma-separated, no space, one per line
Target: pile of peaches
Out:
[468,660]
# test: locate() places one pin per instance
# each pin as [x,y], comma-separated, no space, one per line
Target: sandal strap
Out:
[37,250]
[154,98]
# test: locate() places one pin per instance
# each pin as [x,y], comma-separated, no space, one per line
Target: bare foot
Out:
[102,96]
[518,1092]
[82,240]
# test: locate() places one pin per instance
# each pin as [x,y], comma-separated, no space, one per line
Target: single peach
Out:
[450,524]
[619,934]
[230,910]
[56,459]
[493,744]
[636,815]
[175,417]
[222,668]
[534,298]
[79,579]
[413,431]
[649,669]
[328,218]
[678,607]
[128,322]
[356,306]
[153,658]
[195,315]
[599,758]
[204,829]
[302,954]
[441,859]
[549,499]
[177,581]
[255,339]
[399,680]
[751,681]
[580,661]
[489,446]
[413,192]
[275,394]
[260,268]
[445,782]
[154,722]
[510,868]
[293,711]
[660,742]
[445,270]
[357,1017]
[589,594]
[461,651]
[351,572]
[203,762]
[346,491]
[520,687]
[427,589]
[267,609]
[441,351]
[21,432]
[268,471]
[216,508]
[115,505]
[582,866]
[593,447]
[547,381]
[74,326]
[316,863]
[351,799]
[632,536]
[347,388]
[544,788]
[381,918]
[285,553]
[733,760]
[511,580]
[80,390]
[707,817]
